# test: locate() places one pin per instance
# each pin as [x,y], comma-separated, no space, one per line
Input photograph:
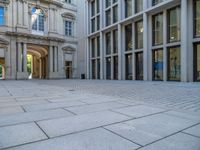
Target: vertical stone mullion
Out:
[184,40]
[19,57]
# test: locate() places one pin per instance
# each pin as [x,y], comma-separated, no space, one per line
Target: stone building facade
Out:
[143,40]
[45,30]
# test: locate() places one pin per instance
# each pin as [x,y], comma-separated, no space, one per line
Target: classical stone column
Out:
[19,12]
[19,57]
[25,57]
[55,59]
[50,58]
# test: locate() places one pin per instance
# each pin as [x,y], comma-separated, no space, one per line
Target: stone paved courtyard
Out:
[99,115]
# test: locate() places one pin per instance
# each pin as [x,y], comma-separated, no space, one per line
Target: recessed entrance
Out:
[37,61]
[2,68]
[68,69]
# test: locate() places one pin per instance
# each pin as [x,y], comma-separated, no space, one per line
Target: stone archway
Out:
[38,55]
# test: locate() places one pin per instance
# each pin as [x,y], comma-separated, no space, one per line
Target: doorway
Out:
[68,69]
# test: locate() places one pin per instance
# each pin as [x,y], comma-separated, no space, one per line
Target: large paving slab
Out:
[97,139]
[14,104]
[33,116]
[53,105]
[62,126]
[161,124]
[149,129]
[139,110]
[20,134]
[95,107]
[185,115]
[193,131]
[176,142]
[10,110]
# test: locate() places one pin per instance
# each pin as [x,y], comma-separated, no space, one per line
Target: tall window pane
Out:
[108,68]
[115,14]
[197,17]
[98,46]
[197,63]
[139,35]
[2,20]
[115,71]
[155,2]
[128,37]
[108,3]
[93,8]
[93,25]
[139,66]
[174,21]
[93,69]
[158,29]
[158,64]
[98,7]
[115,41]
[98,68]
[108,17]
[98,22]
[138,6]
[37,19]
[129,70]
[128,8]
[93,48]
[108,43]
[174,64]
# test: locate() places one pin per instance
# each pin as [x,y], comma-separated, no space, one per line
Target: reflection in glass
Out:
[93,47]
[2,15]
[174,64]
[197,17]
[174,24]
[139,35]
[115,14]
[129,71]
[93,69]
[115,41]
[128,8]
[108,68]
[98,69]
[138,6]
[139,66]
[158,64]
[128,37]
[108,17]
[115,59]
[158,29]
[98,46]
[108,43]
[197,63]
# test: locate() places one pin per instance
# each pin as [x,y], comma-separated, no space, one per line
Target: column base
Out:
[22,75]
[56,75]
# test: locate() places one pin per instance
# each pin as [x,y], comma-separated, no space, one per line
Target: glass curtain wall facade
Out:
[144,40]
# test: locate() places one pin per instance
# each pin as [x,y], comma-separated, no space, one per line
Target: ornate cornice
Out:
[49,38]
[5,1]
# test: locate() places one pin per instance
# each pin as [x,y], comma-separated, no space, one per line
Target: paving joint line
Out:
[123,137]
[169,135]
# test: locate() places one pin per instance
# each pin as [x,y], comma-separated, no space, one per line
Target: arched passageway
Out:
[37,61]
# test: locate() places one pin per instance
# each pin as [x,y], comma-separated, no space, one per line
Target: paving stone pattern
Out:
[99,115]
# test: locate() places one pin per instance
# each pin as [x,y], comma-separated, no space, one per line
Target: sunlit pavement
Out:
[99,115]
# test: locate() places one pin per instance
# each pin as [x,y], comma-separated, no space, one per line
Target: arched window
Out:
[37,19]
